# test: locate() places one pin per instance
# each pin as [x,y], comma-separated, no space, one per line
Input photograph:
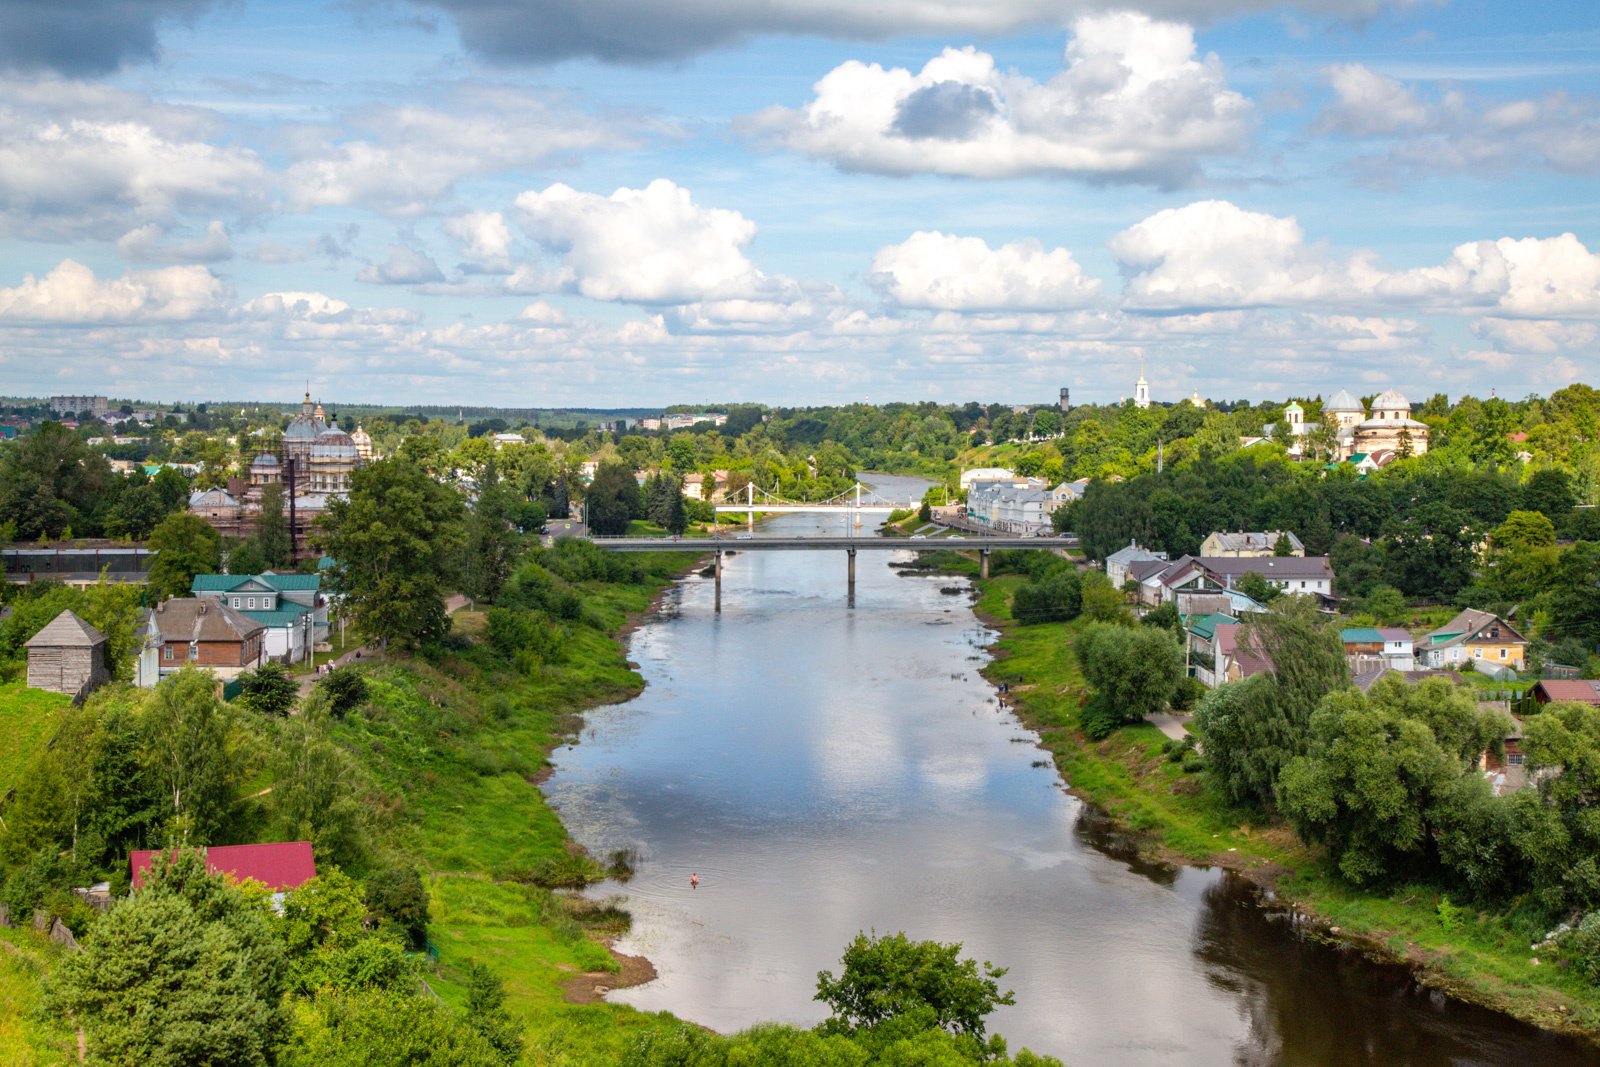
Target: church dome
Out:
[1343,401]
[265,461]
[302,428]
[333,443]
[1392,400]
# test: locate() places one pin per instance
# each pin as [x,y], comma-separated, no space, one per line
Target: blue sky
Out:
[623,203]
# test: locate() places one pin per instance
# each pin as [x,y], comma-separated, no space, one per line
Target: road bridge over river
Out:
[850,544]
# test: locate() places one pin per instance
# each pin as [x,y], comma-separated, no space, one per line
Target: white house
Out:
[1118,562]
[985,474]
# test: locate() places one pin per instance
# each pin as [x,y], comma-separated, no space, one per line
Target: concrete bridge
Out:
[850,544]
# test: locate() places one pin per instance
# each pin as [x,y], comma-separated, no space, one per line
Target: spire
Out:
[305,405]
[1141,388]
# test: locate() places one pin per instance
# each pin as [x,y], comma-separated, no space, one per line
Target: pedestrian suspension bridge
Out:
[854,502]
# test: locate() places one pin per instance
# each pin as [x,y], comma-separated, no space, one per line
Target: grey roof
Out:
[1133,554]
[1139,570]
[1343,401]
[1242,540]
[66,631]
[1285,567]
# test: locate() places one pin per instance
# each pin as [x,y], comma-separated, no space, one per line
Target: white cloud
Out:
[412,156]
[1132,104]
[144,245]
[484,239]
[1539,336]
[403,265]
[945,272]
[1449,130]
[650,246]
[1213,254]
[82,176]
[294,305]
[71,294]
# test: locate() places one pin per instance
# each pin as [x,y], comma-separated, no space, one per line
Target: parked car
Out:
[744,537]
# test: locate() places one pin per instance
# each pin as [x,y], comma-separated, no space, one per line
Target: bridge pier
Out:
[983,563]
[852,565]
[718,572]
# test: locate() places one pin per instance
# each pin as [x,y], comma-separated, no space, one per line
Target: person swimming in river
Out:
[694,880]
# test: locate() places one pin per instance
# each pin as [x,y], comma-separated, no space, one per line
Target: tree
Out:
[1549,490]
[396,546]
[1282,546]
[136,512]
[184,546]
[268,690]
[187,971]
[314,790]
[919,985]
[1385,604]
[1054,597]
[272,528]
[172,487]
[186,748]
[1102,601]
[1254,585]
[1133,670]
[345,690]
[492,542]
[1248,739]
[612,500]
[487,1014]
[369,1028]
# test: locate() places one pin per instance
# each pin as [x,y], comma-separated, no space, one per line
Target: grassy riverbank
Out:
[453,748]
[1479,956]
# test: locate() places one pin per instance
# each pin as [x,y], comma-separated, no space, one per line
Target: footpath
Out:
[453,603]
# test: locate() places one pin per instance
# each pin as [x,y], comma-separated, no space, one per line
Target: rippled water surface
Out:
[827,769]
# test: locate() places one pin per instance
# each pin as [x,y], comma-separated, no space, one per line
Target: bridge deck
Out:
[775,543]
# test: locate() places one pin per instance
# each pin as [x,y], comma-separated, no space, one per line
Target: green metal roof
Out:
[1206,625]
[1365,635]
[222,583]
[284,617]
[217,583]
[296,582]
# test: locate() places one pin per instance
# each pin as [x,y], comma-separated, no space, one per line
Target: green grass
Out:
[1485,958]
[28,719]
[27,1038]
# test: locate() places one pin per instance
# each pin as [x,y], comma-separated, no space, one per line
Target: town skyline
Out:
[422,203]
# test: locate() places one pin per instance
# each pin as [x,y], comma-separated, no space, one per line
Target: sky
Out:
[624,203]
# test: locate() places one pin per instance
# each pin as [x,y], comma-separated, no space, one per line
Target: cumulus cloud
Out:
[1132,104]
[333,245]
[80,161]
[1213,254]
[404,265]
[146,245]
[71,294]
[484,240]
[1449,130]
[402,160]
[945,272]
[85,37]
[635,31]
[650,246]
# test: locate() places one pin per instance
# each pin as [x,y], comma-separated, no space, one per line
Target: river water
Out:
[827,770]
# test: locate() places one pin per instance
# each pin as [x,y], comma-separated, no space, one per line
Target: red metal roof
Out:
[1580,689]
[280,866]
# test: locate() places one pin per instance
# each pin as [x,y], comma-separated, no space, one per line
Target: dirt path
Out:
[453,603]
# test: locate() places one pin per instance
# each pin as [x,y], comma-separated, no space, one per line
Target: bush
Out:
[345,689]
[1133,670]
[1581,946]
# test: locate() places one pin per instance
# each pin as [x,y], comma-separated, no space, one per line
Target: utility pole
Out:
[294,545]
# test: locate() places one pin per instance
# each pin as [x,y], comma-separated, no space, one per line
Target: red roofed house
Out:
[1581,690]
[278,867]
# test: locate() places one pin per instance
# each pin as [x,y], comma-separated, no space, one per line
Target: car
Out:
[744,537]
[955,537]
[919,537]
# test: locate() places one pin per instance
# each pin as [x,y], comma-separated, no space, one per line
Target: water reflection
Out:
[827,770]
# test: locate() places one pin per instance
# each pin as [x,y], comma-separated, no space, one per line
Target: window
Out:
[235,601]
[194,651]
[1514,759]
[166,653]
[252,602]
[1302,585]
[1502,653]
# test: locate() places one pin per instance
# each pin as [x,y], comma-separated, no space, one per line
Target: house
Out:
[694,486]
[1021,507]
[1118,562]
[1237,656]
[1207,601]
[985,474]
[1474,636]
[67,656]
[503,439]
[1245,543]
[1067,492]
[205,632]
[1301,575]
[1366,647]
[1200,646]
[290,606]
[279,867]
[1578,690]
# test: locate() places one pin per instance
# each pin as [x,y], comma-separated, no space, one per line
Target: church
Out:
[313,460]
[1377,439]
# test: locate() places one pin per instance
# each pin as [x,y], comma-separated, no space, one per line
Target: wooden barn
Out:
[67,656]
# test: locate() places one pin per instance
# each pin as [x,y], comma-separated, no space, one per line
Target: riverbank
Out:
[1479,957]
[454,747]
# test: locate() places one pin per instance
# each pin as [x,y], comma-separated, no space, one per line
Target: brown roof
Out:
[66,631]
[1583,690]
[1284,567]
[203,619]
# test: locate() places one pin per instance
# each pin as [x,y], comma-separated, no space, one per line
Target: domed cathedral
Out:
[323,455]
[1391,428]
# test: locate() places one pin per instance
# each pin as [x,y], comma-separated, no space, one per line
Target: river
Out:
[827,769]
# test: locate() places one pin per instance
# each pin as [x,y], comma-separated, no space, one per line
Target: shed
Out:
[67,656]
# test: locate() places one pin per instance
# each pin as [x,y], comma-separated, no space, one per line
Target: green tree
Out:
[492,540]
[613,500]
[314,783]
[1282,546]
[172,487]
[396,545]
[184,546]
[187,971]
[1385,604]
[272,528]
[186,748]
[345,689]
[1254,585]
[1134,671]
[900,986]
[268,690]
[1056,596]
[1102,601]
[1248,738]
[487,1014]
[136,512]
[377,1029]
